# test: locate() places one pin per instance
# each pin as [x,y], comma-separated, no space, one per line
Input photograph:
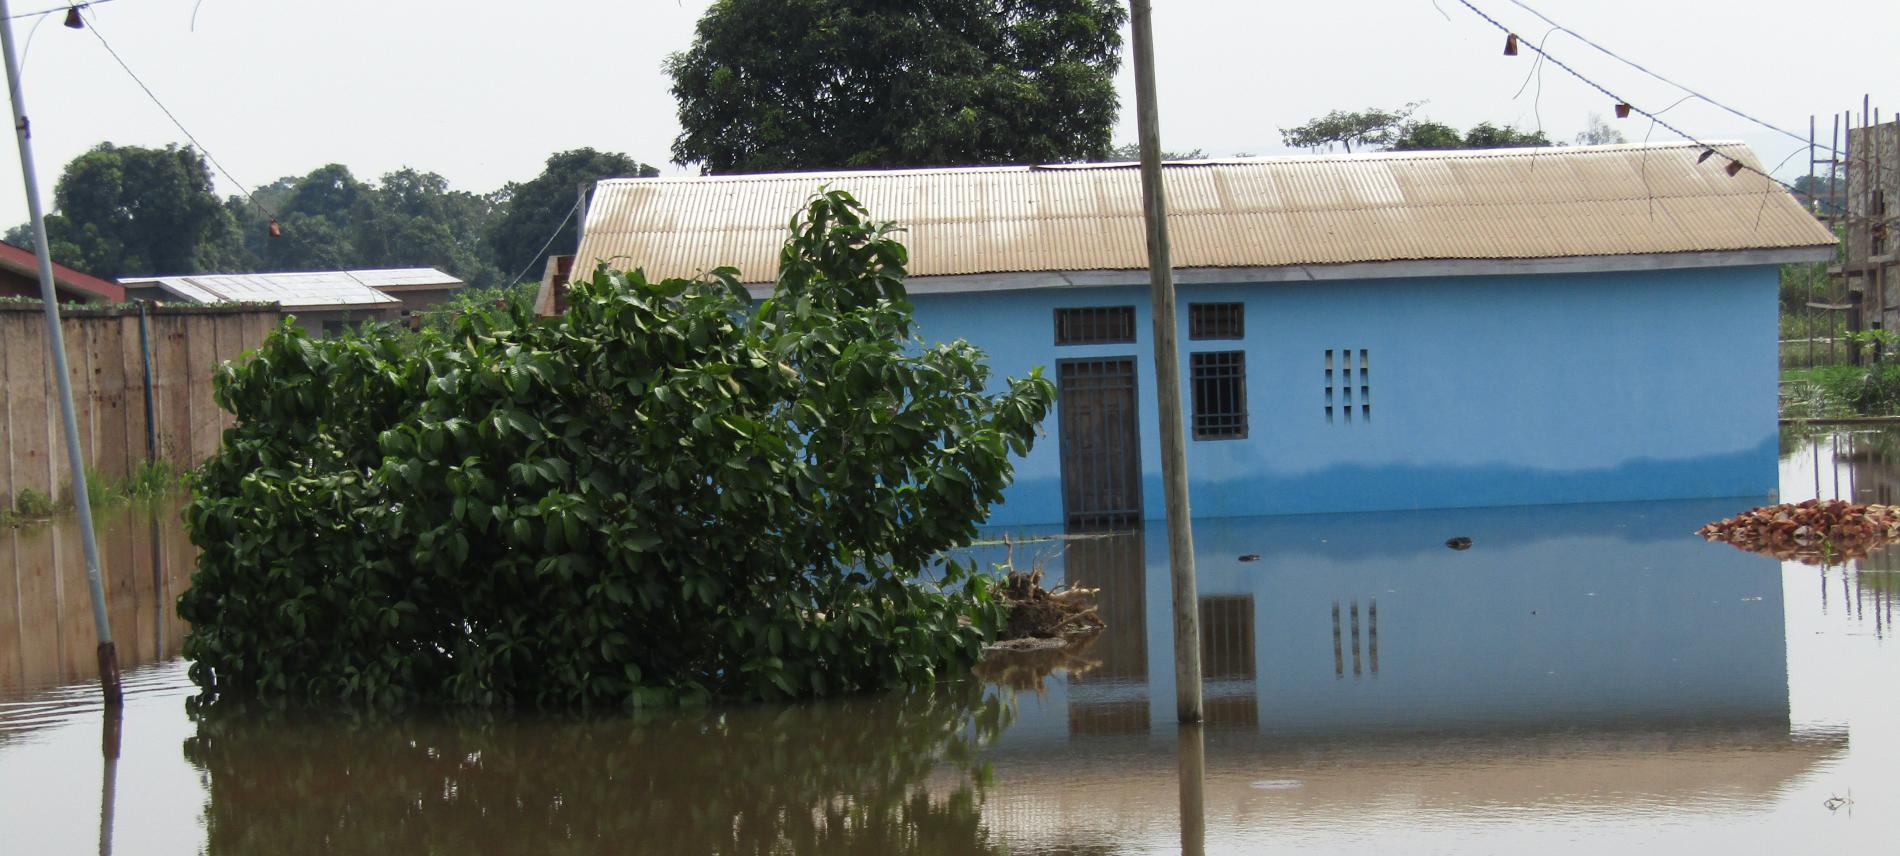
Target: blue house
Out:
[1360,333]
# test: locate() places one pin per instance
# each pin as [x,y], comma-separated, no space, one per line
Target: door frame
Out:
[1134,392]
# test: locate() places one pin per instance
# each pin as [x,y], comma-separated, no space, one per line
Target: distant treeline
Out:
[123,211]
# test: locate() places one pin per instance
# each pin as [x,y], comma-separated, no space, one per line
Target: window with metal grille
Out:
[1216,321]
[1095,325]
[1220,394]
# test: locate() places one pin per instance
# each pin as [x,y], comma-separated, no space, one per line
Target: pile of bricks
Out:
[1815,532]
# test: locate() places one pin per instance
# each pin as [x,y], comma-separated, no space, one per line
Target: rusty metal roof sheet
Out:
[1267,212]
[314,290]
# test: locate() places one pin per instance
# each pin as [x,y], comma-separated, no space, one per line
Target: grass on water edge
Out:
[151,480]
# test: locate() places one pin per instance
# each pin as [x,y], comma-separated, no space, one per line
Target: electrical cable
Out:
[550,242]
[1640,67]
[92,25]
[1735,164]
[18,15]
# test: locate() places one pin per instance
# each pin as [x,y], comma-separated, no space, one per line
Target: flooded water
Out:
[1581,679]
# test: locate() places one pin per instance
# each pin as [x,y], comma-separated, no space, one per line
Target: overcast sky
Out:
[482,92]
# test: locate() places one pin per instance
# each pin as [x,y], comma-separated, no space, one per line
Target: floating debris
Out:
[1815,532]
[1458,543]
[1038,613]
[1024,664]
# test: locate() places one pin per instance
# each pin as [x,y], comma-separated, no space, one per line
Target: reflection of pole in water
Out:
[1191,761]
[109,778]
[1339,656]
[1355,638]
[160,591]
[1823,577]
[1372,633]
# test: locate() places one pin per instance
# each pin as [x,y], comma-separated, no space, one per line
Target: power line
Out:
[18,15]
[1735,164]
[1640,67]
[92,25]
[550,242]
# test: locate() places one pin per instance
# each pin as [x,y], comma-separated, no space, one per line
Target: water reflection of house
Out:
[1524,672]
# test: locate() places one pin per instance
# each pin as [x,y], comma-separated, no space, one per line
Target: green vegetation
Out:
[668,493]
[150,480]
[133,211]
[527,213]
[771,85]
[1833,391]
[1396,130]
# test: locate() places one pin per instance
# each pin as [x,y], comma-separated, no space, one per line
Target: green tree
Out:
[1132,152]
[130,210]
[666,492]
[811,84]
[1427,135]
[1486,135]
[1369,127]
[534,210]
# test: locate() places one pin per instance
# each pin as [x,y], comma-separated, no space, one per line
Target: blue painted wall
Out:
[1497,390]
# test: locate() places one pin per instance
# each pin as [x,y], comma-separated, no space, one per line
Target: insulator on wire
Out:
[276,231]
[1510,44]
[73,20]
[1734,167]
[1706,154]
[1623,110]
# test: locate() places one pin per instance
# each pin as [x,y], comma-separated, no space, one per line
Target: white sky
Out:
[482,92]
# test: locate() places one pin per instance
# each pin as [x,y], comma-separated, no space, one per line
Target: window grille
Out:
[1095,325]
[1216,321]
[1220,394]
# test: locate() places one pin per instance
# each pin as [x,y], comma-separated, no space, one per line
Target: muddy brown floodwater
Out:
[1583,679]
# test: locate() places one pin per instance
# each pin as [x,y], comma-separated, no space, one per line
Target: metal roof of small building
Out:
[1497,204]
[314,290]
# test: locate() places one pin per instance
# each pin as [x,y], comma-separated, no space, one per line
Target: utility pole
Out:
[1187,609]
[56,341]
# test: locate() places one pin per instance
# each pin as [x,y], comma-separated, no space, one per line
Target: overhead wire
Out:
[18,15]
[1735,164]
[1646,70]
[549,243]
[92,25]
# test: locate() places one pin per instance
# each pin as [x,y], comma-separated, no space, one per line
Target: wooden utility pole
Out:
[1187,609]
[56,342]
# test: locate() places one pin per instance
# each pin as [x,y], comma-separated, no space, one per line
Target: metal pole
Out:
[56,341]
[151,412]
[1187,617]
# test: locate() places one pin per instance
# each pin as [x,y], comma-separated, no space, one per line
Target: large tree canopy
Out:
[129,211]
[811,84]
[536,208]
[333,221]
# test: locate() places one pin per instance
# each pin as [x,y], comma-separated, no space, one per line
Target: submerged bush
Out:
[666,493]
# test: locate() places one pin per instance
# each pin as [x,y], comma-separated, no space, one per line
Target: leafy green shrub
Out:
[666,493]
[33,503]
[1870,391]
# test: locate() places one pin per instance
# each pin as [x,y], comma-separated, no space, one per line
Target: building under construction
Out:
[1856,200]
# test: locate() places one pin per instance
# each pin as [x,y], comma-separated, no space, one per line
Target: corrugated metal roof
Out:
[315,290]
[1266,212]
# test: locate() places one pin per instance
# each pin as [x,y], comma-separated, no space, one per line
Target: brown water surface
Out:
[1583,679]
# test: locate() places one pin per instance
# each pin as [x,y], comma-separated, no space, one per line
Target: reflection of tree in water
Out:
[838,777]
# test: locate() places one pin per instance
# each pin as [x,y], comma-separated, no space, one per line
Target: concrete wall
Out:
[107,375]
[1498,390]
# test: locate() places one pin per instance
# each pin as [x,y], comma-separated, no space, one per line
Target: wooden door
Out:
[1101,449]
